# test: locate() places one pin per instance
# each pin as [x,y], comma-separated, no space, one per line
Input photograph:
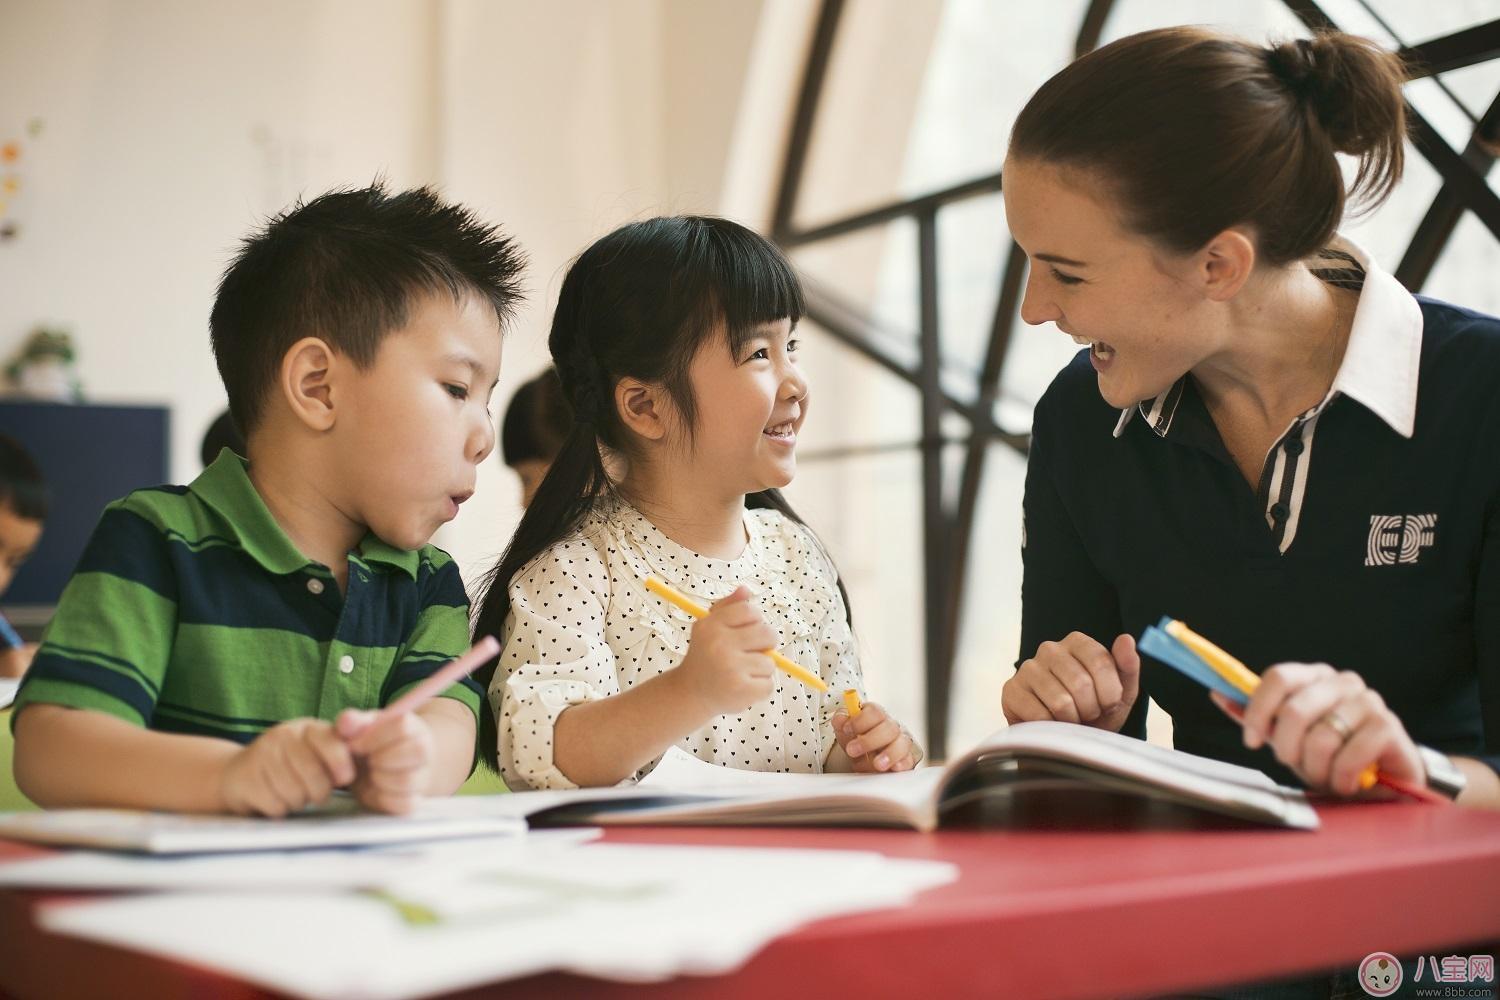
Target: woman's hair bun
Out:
[1351,87]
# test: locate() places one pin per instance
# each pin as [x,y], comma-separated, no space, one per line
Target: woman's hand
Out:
[1327,726]
[1076,680]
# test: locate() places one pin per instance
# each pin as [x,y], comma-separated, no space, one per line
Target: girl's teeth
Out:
[1103,353]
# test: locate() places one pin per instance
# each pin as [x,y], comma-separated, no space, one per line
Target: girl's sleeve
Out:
[554,656]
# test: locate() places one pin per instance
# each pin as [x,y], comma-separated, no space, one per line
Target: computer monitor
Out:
[90,456]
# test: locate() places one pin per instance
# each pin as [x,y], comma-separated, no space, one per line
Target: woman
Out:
[1268,438]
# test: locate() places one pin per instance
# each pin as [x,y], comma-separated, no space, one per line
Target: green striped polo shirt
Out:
[191,611]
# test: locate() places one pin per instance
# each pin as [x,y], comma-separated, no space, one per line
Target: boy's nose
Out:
[482,442]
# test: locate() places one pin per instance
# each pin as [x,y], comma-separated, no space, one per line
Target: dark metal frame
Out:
[947,525]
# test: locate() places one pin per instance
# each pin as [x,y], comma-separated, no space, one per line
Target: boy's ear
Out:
[642,408]
[1226,263]
[307,384]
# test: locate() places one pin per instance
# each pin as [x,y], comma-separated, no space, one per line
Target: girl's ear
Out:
[642,408]
[307,382]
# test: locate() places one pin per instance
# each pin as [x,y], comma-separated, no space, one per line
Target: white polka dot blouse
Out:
[582,626]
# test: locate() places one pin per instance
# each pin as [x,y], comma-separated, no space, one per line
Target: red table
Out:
[1106,911]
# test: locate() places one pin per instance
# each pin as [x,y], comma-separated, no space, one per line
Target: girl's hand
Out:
[1076,680]
[727,667]
[287,767]
[874,741]
[394,757]
[1327,726]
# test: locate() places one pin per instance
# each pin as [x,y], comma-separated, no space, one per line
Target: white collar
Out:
[1381,362]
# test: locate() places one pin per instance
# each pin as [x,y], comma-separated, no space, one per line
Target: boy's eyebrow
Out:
[467,361]
[1053,258]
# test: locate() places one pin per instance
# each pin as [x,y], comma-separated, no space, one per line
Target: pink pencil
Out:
[484,649]
[429,689]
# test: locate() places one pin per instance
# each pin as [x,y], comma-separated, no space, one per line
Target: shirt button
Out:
[314,586]
[1279,512]
[346,664]
[1293,447]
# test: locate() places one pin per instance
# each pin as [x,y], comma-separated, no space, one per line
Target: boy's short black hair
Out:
[22,487]
[345,267]
[221,434]
[537,420]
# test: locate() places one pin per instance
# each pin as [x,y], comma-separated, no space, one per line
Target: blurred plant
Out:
[43,367]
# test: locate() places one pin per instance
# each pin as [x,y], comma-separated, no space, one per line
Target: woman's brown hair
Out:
[1193,131]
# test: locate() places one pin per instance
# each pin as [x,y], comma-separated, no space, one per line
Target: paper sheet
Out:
[631,912]
[267,870]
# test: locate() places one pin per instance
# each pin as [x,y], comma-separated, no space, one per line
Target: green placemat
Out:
[11,799]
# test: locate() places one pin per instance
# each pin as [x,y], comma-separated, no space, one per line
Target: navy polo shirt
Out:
[1371,541]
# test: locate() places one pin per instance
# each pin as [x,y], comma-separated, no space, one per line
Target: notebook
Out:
[342,823]
[1057,755]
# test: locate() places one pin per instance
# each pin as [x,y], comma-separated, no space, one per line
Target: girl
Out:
[1269,437]
[674,340]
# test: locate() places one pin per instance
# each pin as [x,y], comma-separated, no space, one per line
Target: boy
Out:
[221,644]
[23,508]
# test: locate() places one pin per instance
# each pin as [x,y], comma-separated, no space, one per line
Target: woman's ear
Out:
[642,408]
[307,382]
[1226,263]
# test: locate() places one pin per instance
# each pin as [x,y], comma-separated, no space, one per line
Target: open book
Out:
[1027,756]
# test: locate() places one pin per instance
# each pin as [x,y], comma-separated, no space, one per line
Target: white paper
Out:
[633,912]
[265,870]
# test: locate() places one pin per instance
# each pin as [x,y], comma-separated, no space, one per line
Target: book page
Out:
[684,789]
[1227,787]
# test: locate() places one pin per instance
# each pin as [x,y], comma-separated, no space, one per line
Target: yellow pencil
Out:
[1241,676]
[851,702]
[802,674]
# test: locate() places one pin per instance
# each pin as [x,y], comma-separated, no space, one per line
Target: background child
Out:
[674,341]
[537,422]
[23,509]
[206,652]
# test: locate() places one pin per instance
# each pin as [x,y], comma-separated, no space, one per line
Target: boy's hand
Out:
[394,759]
[289,766]
[874,741]
[726,666]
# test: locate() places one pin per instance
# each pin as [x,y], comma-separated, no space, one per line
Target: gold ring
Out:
[1338,724]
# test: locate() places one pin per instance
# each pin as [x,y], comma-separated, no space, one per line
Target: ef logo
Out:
[1399,538]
